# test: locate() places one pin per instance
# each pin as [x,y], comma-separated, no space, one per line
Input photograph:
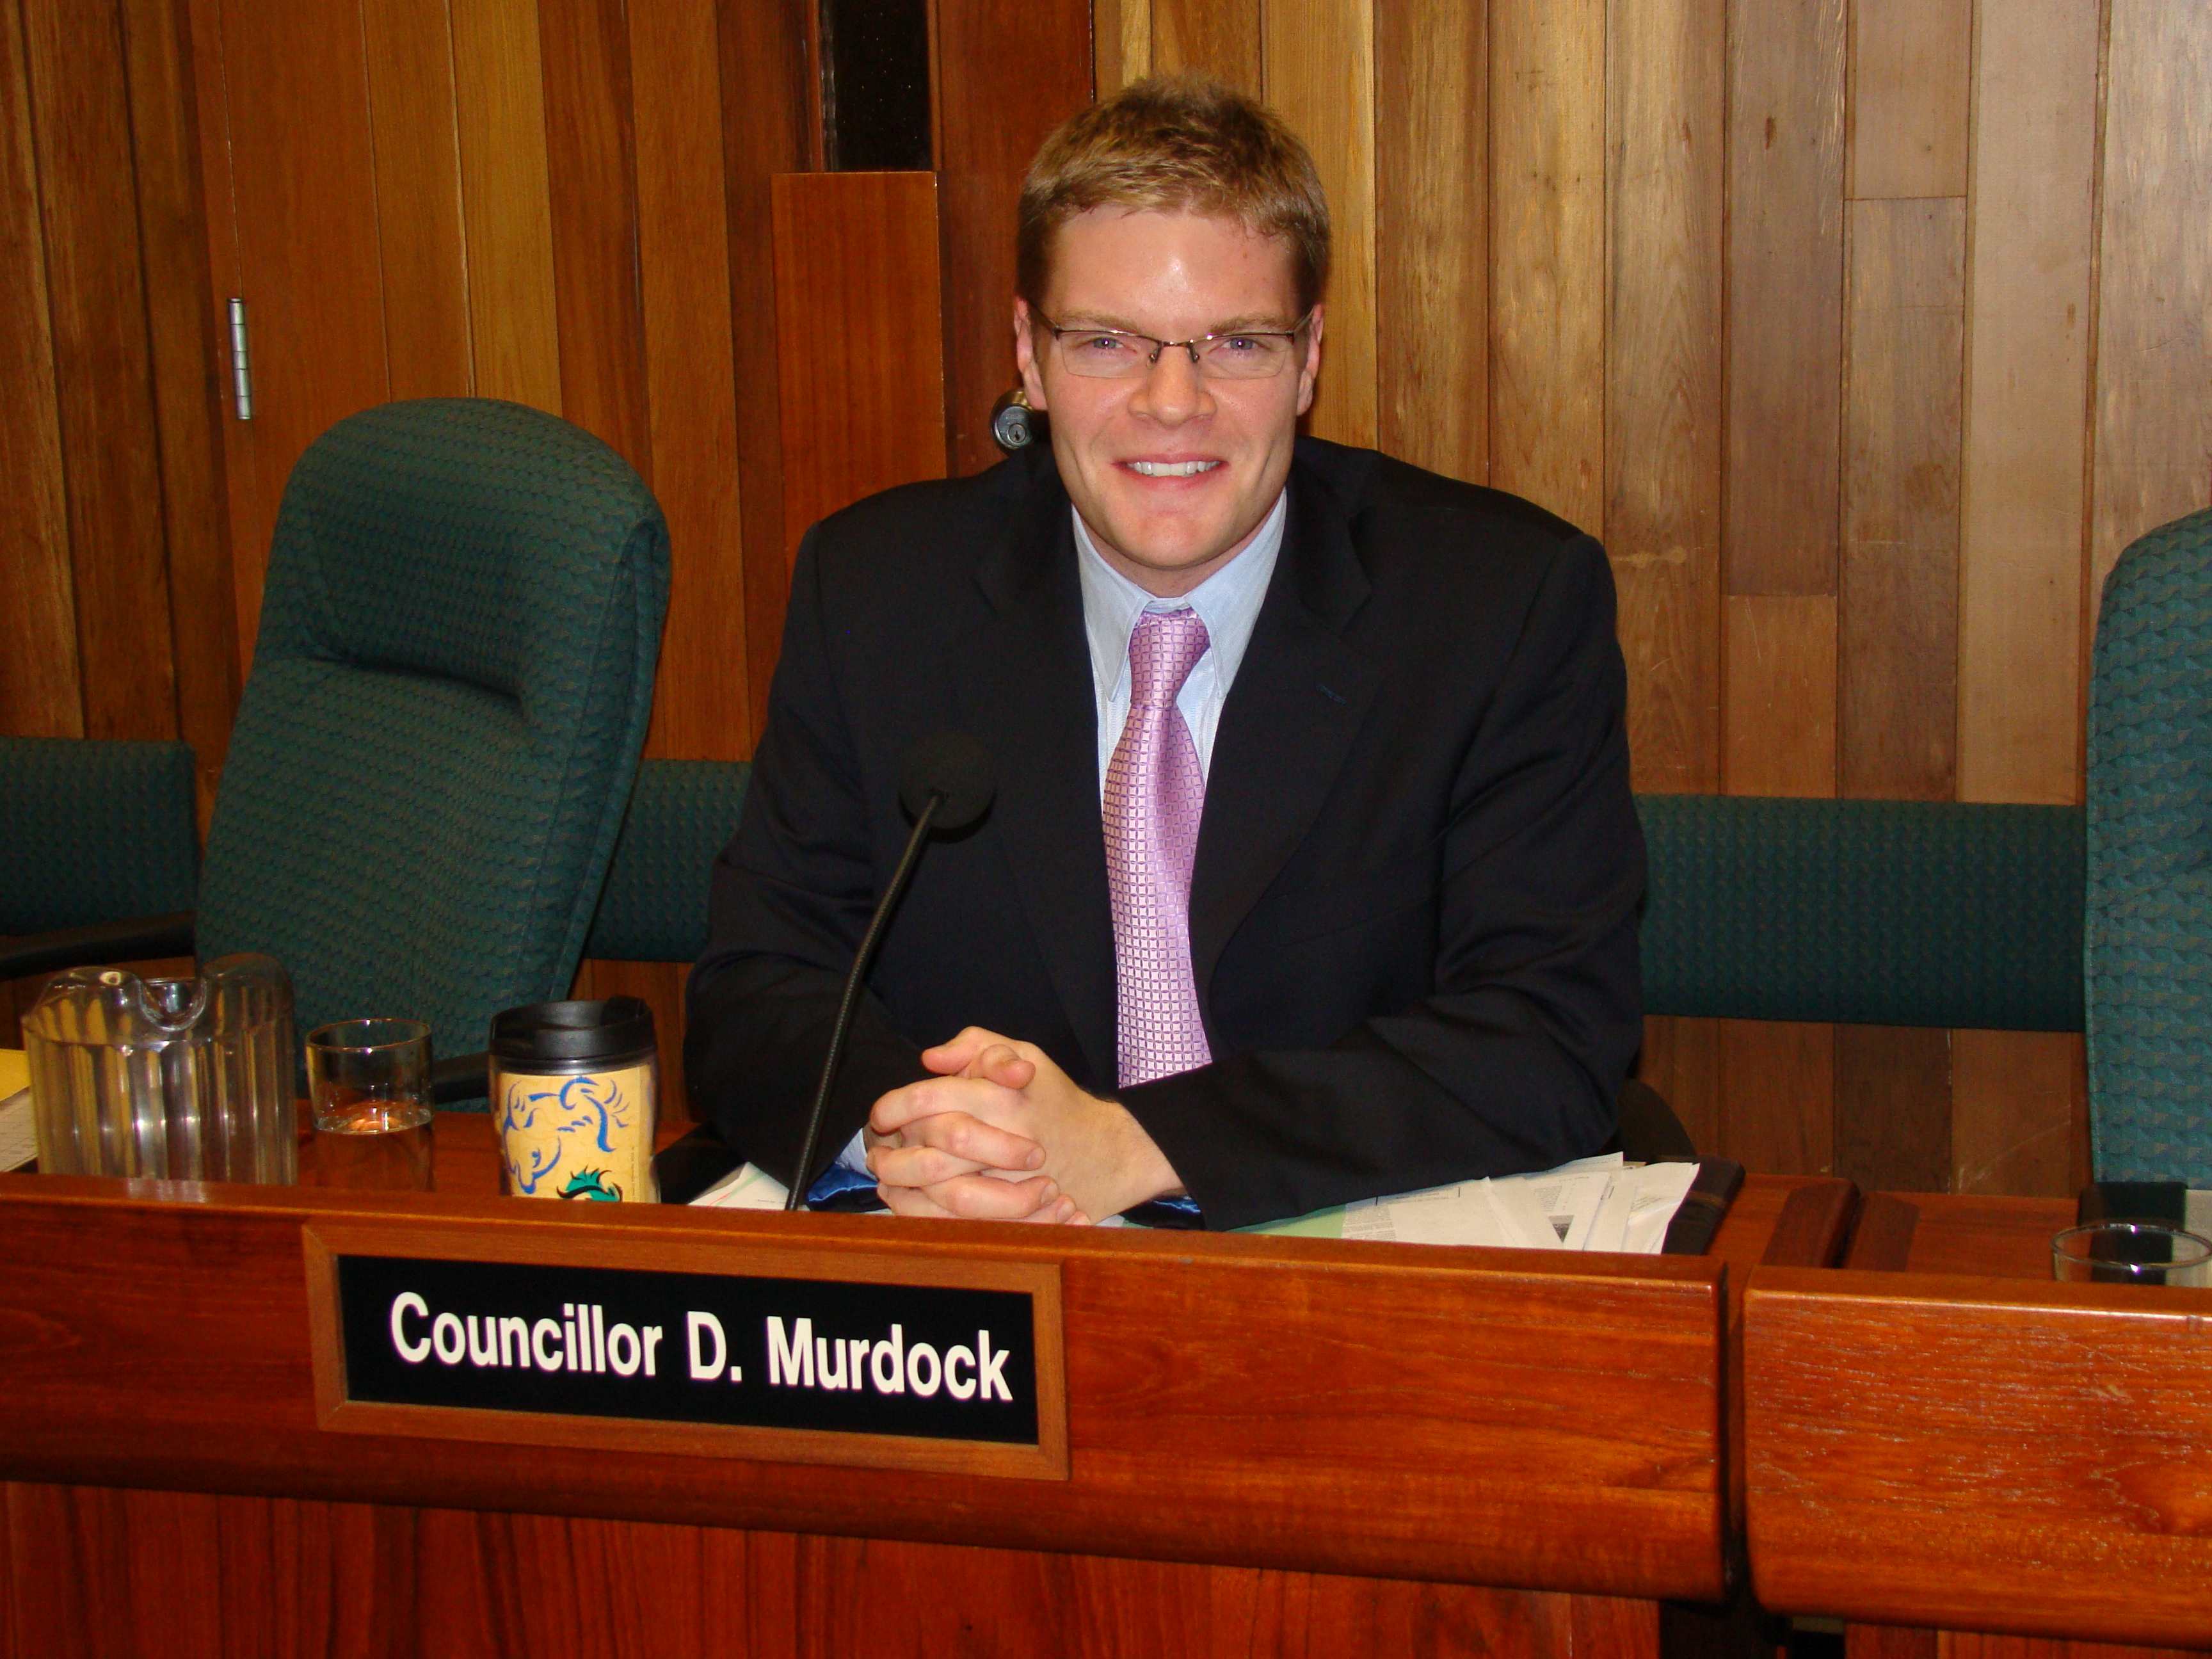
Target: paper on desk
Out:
[1591,1204]
[19,1139]
[744,1187]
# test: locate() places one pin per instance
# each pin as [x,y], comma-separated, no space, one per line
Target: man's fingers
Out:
[964,1141]
[983,1198]
[939,1097]
[950,1059]
[1005,1065]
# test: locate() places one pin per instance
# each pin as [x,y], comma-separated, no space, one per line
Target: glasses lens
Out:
[1102,355]
[1245,356]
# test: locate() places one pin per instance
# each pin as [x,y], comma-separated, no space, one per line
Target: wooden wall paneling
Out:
[1218,38]
[2023,501]
[1893,1108]
[591,161]
[1547,255]
[1785,294]
[1910,75]
[703,705]
[856,286]
[2153,419]
[2019,1118]
[302,174]
[1778,1105]
[185,359]
[1779,729]
[1899,648]
[764,102]
[38,674]
[1663,400]
[413,128]
[103,367]
[1681,1059]
[660,986]
[1431,234]
[173,1570]
[1319,67]
[506,191]
[1008,72]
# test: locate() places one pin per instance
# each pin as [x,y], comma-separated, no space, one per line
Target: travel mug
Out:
[572,1093]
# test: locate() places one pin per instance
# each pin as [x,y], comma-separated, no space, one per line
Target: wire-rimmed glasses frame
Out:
[1119,353]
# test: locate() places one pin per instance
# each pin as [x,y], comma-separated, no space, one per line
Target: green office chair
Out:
[437,743]
[2148,966]
[94,834]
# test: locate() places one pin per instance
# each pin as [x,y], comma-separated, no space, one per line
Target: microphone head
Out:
[954,765]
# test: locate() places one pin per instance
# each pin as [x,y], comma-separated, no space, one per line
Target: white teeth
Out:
[1173,469]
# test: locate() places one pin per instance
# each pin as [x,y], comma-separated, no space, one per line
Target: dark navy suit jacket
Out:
[1414,907]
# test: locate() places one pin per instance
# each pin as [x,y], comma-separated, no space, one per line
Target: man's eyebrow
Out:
[1255,320]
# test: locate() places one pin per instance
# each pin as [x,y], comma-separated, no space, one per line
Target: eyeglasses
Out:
[1113,353]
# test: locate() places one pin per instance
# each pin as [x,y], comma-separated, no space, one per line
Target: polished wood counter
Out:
[1417,1451]
[1942,1440]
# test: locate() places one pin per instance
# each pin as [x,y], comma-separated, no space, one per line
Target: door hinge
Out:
[241,366]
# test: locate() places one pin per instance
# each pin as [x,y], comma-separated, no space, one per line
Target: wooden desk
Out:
[1319,1448]
[1944,1440]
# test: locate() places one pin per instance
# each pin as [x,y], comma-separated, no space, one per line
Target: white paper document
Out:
[19,1139]
[1592,1204]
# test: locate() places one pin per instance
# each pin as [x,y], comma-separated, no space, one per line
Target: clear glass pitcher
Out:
[178,1079]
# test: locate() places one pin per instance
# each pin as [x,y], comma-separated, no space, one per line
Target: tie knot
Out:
[1164,647]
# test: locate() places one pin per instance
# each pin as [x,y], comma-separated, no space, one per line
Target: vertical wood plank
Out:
[418,197]
[2020,1114]
[111,441]
[660,985]
[1785,294]
[302,174]
[1008,72]
[1547,257]
[1893,1108]
[2022,501]
[1318,60]
[855,286]
[1664,402]
[1216,38]
[183,354]
[38,695]
[1898,651]
[1431,258]
[1681,1059]
[507,193]
[590,158]
[2153,435]
[1780,721]
[702,708]
[1777,1112]
[1910,72]
[763,99]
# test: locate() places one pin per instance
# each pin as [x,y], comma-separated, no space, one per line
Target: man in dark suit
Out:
[1313,869]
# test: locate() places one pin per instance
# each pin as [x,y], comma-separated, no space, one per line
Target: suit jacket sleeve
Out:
[790,900]
[1516,1060]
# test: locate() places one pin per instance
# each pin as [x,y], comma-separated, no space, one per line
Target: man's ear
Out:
[1310,371]
[1025,357]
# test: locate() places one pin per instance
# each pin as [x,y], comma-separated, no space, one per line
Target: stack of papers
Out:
[1592,1204]
[19,1141]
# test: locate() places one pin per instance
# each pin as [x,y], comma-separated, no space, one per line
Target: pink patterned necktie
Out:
[1155,794]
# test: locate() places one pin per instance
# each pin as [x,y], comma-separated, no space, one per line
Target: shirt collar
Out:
[1227,602]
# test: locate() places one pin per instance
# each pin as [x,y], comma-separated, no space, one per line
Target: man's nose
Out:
[1173,390]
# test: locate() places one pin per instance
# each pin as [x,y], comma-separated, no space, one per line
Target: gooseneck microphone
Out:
[945,782]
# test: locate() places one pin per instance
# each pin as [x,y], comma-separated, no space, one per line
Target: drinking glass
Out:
[369,1081]
[2130,1253]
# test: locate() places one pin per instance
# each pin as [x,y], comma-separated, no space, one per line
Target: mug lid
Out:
[608,1029]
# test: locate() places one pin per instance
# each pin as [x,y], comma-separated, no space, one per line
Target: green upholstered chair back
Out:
[2149,945]
[1878,913]
[449,695]
[93,831]
[681,814]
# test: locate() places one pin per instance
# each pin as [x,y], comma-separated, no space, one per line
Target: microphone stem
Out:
[802,1180]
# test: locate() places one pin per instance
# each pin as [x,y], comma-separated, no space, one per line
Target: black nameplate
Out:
[884,1355]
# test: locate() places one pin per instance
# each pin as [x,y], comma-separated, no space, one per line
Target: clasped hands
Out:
[1000,1132]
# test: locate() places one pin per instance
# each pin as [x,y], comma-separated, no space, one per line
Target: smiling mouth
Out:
[1171,469]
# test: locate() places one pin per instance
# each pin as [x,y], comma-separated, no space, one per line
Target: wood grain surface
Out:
[1309,1405]
[1979,1453]
[1911,62]
[1893,1108]
[858,354]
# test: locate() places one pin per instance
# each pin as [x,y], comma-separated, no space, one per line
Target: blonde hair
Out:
[1176,144]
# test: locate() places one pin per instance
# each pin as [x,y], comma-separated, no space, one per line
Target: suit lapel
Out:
[1024,683]
[1298,701]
